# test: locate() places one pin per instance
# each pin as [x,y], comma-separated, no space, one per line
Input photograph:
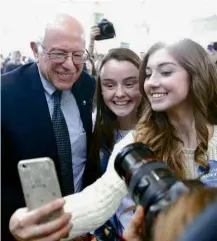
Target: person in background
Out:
[27,59]
[2,63]
[142,54]
[178,122]
[95,58]
[89,66]
[14,62]
[118,103]
[212,50]
[95,31]
[46,111]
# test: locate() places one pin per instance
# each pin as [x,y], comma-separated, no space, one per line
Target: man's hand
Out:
[28,225]
[136,227]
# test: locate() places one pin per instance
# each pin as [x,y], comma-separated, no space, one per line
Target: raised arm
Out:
[92,207]
[89,209]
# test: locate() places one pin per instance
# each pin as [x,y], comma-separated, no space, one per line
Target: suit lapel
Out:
[39,116]
[84,105]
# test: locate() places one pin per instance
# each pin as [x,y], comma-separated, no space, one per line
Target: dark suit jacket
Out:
[27,130]
[10,67]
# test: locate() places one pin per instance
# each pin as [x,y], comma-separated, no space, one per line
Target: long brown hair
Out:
[106,121]
[155,129]
[171,223]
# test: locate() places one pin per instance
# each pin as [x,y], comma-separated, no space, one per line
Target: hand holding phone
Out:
[43,219]
[39,183]
[28,225]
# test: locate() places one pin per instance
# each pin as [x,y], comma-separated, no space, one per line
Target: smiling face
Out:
[61,39]
[167,83]
[120,87]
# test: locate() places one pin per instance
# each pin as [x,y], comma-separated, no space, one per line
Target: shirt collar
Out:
[48,87]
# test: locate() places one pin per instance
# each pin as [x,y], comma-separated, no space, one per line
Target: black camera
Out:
[150,182]
[107,30]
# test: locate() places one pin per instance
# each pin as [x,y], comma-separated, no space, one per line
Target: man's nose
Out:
[69,63]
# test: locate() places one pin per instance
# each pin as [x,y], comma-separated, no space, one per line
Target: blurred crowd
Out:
[14,60]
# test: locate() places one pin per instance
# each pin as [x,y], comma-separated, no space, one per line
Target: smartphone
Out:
[39,183]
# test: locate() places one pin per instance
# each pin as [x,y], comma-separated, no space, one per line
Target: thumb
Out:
[138,218]
[16,217]
[135,228]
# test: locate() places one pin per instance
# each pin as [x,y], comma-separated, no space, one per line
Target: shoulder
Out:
[85,85]
[213,140]
[210,179]
[15,77]
[212,146]
[16,85]
[128,139]
[86,79]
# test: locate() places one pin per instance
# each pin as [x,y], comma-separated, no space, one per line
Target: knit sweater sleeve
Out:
[92,207]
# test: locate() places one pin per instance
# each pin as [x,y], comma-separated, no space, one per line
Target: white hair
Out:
[52,20]
[42,25]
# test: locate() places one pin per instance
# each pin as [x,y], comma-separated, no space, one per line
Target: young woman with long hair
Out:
[118,102]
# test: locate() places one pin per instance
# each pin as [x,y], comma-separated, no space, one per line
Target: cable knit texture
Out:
[92,207]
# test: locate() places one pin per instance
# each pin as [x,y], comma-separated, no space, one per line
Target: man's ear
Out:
[35,49]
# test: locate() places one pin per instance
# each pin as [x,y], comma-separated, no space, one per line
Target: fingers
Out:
[55,225]
[138,217]
[23,223]
[135,228]
[53,230]
[38,215]
[95,31]
[51,227]
[94,27]
[17,217]
[57,235]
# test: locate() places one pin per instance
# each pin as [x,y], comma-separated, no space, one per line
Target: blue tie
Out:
[63,146]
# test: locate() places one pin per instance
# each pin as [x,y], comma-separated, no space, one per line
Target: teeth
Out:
[65,75]
[121,103]
[158,95]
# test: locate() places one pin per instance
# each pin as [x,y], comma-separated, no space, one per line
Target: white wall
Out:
[167,19]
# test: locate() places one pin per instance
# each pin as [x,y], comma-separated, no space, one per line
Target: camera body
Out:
[107,30]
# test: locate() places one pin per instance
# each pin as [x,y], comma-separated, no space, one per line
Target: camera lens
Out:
[150,182]
[147,178]
[132,157]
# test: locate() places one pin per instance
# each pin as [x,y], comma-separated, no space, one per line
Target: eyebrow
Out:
[58,49]
[163,64]
[65,51]
[128,78]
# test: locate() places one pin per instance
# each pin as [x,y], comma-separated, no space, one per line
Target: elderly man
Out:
[44,104]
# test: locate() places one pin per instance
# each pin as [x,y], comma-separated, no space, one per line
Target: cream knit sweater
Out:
[97,203]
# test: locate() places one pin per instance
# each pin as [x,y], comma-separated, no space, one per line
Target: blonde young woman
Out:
[179,123]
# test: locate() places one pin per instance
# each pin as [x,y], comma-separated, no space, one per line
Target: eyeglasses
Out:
[57,56]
